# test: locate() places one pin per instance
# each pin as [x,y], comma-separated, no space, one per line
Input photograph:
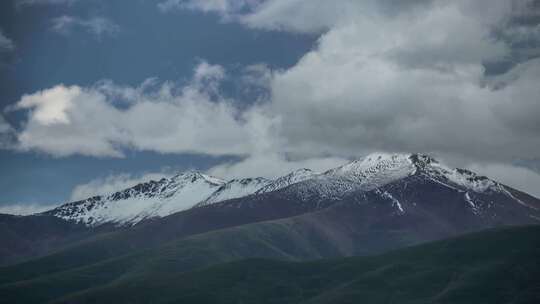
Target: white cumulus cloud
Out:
[92,121]
[50,106]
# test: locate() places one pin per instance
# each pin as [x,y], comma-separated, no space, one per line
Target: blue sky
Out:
[100,94]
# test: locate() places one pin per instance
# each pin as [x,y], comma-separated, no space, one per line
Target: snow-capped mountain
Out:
[143,201]
[167,196]
[370,172]
[236,188]
[194,189]
[287,180]
[394,178]
[383,200]
[379,169]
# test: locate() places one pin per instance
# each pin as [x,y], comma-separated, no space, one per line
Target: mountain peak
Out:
[143,201]
[422,160]
[455,176]
[193,176]
[294,177]
[463,178]
[193,188]
[235,188]
[380,168]
[377,170]
[300,172]
[375,164]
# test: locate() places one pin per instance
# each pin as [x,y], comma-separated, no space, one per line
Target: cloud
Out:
[4,125]
[98,26]
[399,80]
[532,164]
[6,44]
[50,106]
[403,80]
[400,76]
[24,209]
[7,49]
[228,9]
[104,119]
[410,78]
[273,165]
[111,184]
[7,134]
[358,91]
[396,76]
[300,16]
[22,3]
[520,178]
[291,15]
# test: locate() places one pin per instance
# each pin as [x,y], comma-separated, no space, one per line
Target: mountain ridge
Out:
[297,221]
[457,270]
[195,189]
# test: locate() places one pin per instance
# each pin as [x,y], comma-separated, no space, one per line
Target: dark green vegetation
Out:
[496,266]
[25,237]
[81,267]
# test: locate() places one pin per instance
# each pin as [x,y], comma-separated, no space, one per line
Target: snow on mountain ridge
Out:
[375,169]
[146,200]
[195,189]
[456,176]
[379,169]
[287,180]
[166,196]
[235,188]
[368,173]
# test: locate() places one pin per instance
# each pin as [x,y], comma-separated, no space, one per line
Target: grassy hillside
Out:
[148,235]
[328,233]
[26,237]
[500,266]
